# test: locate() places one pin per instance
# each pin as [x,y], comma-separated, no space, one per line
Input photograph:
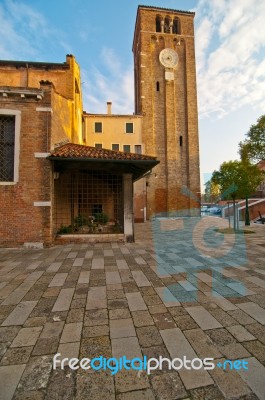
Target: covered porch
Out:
[93,192]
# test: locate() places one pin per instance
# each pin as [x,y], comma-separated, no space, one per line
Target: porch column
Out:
[128,207]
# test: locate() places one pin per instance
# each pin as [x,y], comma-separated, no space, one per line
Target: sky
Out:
[230,58]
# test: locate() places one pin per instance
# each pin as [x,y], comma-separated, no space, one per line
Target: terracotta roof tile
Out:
[76,151]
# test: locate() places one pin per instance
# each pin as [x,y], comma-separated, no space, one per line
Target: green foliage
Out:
[101,218]
[80,220]
[237,179]
[254,146]
[212,191]
[65,229]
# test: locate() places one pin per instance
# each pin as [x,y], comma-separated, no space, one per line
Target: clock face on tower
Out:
[168,58]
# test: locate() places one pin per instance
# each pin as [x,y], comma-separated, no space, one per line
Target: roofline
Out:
[154,8]
[40,64]
[112,115]
[54,158]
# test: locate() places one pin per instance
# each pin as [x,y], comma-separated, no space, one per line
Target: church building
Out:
[66,174]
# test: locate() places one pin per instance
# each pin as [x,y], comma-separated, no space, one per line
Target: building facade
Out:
[166,96]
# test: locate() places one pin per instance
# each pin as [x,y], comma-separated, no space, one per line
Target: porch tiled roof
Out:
[77,151]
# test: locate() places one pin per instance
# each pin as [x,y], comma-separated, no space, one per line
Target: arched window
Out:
[176,26]
[158,23]
[167,25]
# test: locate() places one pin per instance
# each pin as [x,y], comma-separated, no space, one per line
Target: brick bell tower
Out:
[166,95]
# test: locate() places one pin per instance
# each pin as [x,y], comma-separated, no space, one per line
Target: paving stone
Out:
[126,381]
[241,317]
[78,262]
[112,278]
[3,348]
[84,277]
[69,350]
[140,279]
[9,378]
[19,315]
[142,318]
[158,309]
[167,297]
[240,333]
[92,331]
[87,387]
[119,313]
[168,386]
[121,328]
[177,311]
[207,393]
[164,321]
[36,374]
[95,346]
[203,318]
[64,300]
[96,298]
[61,385]
[202,344]
[58,279]
[46,346]
[258,331]
[149,336]
[78,303]
[128,347]
[71,332]
[75,315]
[259,282]
[146,394]
[26,337]
[222,317]
[255,379]
[185,322]
[229,383]
[178,347]
[16,356]
[254,310]
[97,263]
[17,295]
[54,267]
[52,292]
[9,332]
[257,349]
[52,329]
[234,351]
[117,303]
[122,264]
[96,317]
[135,301]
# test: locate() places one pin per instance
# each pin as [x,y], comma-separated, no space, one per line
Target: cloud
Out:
[230,48]
[115,85]
[25,32]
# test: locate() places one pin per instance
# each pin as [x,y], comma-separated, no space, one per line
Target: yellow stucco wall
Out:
[113,130]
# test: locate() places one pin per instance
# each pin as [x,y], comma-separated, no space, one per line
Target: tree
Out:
[254,146]
[237,179]
[212,192]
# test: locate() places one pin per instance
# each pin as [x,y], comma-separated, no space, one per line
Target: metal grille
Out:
[7,147]
[88,202]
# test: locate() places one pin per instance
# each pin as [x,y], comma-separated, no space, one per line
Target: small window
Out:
[157,86]
[115,146]
[98,127]
[129,127]
[7,147]
[180,141]
[167,25]
[98,145]
[138,149]
[126,148]
[176,29]
[158,24]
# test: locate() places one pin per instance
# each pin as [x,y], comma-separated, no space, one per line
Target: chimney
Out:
[109,104]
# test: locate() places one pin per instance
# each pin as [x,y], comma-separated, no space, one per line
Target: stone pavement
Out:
[172,296]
